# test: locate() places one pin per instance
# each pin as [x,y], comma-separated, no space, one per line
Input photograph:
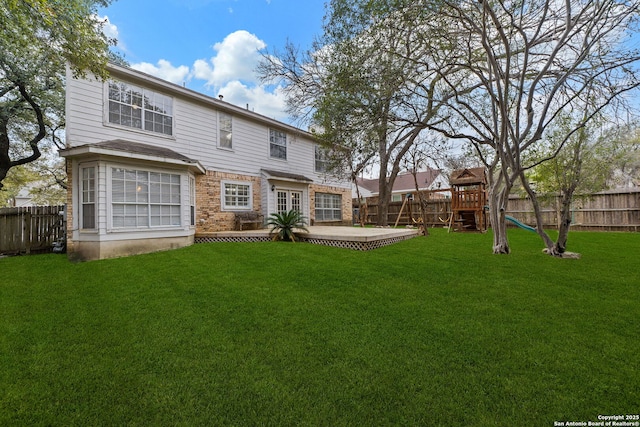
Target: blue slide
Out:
[519,224]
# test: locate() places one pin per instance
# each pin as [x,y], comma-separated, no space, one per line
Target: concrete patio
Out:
[356,238]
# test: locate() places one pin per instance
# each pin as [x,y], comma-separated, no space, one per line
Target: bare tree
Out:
[362,84]
[532,61]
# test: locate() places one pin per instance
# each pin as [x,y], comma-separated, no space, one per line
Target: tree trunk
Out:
[5,160]
[498,196]
[383,203]
[565,221]
[548,242]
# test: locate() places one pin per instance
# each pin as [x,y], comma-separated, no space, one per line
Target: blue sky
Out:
[213,46]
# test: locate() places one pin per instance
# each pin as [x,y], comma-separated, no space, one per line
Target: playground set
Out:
[468,200]
[469,204]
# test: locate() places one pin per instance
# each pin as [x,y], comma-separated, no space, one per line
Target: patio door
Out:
[288,200]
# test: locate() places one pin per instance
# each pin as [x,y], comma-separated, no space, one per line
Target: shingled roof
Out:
[404,182]
[468,176]
[130,149]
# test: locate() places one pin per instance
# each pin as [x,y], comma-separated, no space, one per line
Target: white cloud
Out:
[110,30]
[229,72]
[236,59]
[164,70]
[270,104]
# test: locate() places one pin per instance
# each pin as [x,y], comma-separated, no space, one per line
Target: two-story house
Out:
[151,164]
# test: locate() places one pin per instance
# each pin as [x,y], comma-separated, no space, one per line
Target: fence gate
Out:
[30,229]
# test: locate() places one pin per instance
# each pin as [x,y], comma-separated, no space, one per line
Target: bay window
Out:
[88,198]
[143,199]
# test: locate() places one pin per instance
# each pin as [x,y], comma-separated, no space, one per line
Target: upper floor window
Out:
[225,130]
[322,161]
[140,108]
[277,144]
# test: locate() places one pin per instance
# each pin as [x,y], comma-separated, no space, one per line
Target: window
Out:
[288,200]
[142,199]
[277,144]
[328,207]
[140,108]
[322,161]
[236,195]
[225,131]
[88,195]
[192,200]
[282,205]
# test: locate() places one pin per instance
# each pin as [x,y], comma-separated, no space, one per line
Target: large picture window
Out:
[277,144]
[236,195]
[142,199]
[140,108]
[328,207]
[88,195]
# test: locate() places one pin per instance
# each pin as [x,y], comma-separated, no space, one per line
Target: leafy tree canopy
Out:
[40,38]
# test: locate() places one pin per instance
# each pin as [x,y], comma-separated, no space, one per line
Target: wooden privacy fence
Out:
[30,229]
[616,210]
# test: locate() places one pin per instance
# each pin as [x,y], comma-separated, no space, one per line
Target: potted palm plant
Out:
[283,225]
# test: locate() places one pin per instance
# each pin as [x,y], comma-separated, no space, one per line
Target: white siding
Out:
[195,131]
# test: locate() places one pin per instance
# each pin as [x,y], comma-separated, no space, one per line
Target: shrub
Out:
[283,225]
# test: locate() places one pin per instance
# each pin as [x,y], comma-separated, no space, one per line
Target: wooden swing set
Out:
[468,200]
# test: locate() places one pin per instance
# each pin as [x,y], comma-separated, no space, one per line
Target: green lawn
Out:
[430,331]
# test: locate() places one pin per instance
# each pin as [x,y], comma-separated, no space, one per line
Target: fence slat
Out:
[30,229]
[613,211]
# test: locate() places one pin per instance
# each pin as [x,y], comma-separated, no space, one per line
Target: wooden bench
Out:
[248,217]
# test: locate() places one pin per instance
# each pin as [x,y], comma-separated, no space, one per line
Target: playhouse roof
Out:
[468,176]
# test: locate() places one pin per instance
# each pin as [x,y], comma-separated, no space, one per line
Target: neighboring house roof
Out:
[404,182]
[137,150]
[468,176]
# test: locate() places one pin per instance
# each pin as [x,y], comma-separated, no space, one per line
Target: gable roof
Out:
[468,176]
[404,182]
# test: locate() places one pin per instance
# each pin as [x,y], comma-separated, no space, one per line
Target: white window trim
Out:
[219,143]
[96,168]
[192,201]
[223,203]
[109,200]
[107,123]
[323,161]
[285,145]
[334,195]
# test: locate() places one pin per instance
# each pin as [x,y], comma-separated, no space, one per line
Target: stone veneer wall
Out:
[69,208]
[347,205]
[209,214]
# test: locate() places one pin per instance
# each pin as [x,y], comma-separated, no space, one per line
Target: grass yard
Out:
[432,331]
